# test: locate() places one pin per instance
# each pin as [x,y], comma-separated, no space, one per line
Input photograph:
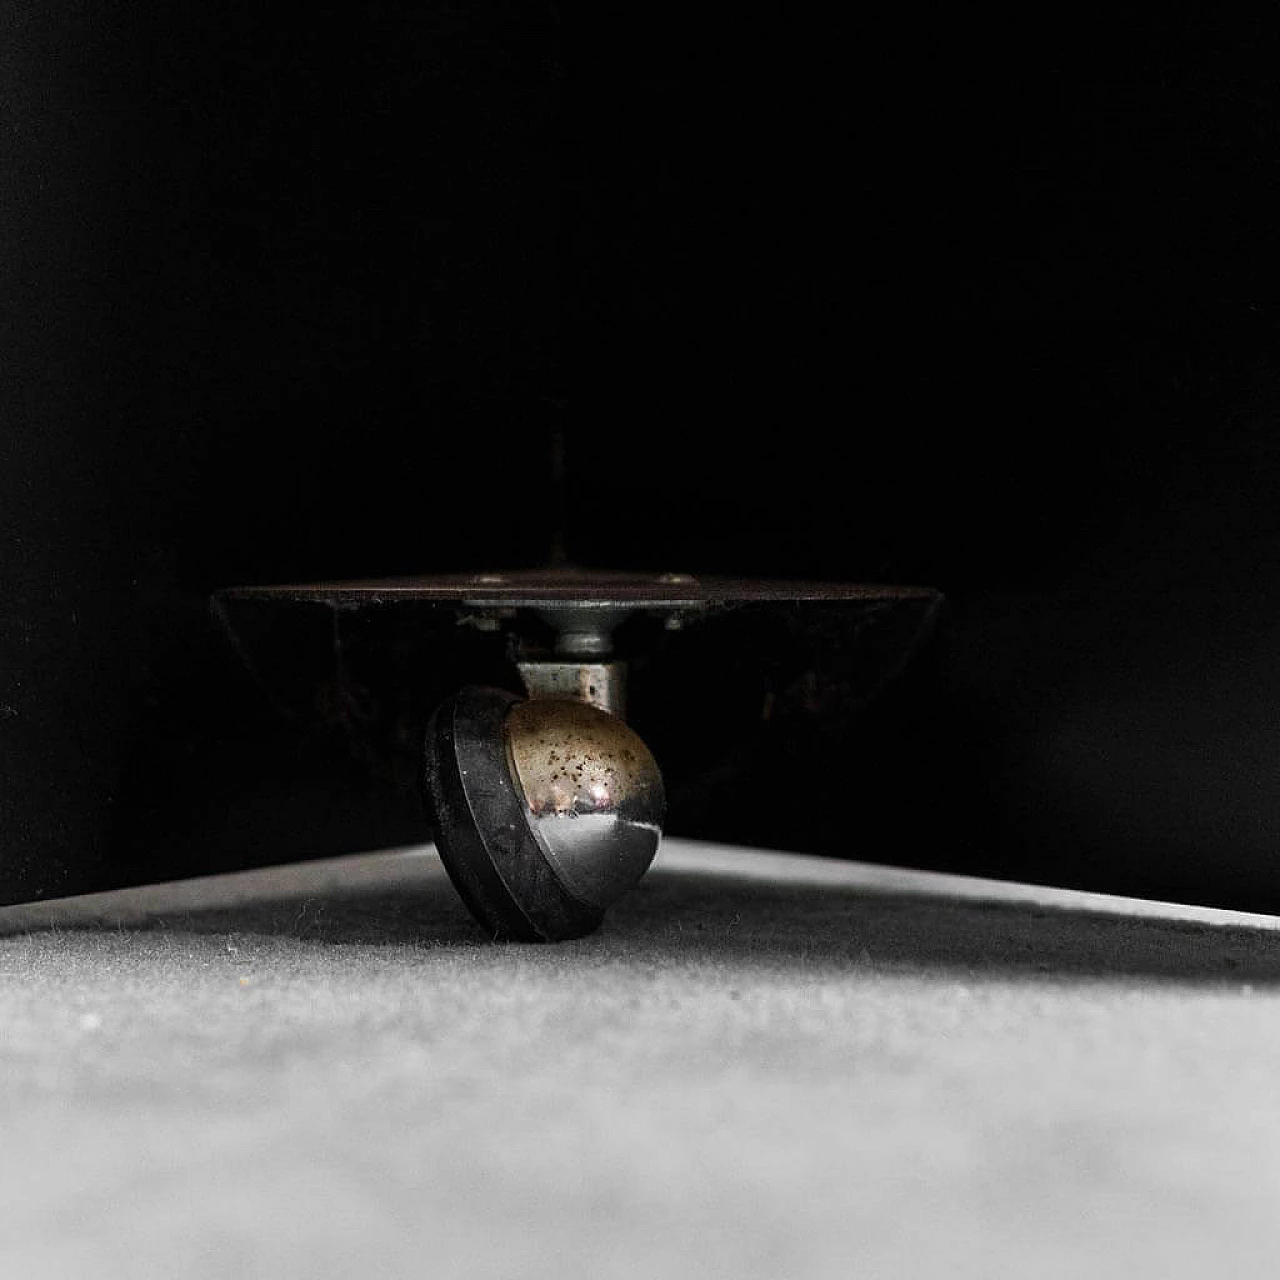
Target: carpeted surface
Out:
[763,1066]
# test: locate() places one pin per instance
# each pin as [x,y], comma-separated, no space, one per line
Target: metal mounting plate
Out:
[583,588]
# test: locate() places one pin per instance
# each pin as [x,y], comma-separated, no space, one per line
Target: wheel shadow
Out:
[699,917]
[775,925]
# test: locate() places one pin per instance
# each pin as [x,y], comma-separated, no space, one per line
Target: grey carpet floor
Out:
[764,1066]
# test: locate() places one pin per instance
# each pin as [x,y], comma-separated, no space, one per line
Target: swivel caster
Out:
[547,810]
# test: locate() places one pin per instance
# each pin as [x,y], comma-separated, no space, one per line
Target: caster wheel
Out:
[547,810]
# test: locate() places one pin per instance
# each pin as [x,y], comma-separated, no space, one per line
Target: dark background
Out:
[985,303]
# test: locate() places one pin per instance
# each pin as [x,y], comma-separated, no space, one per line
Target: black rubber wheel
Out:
[481,828]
